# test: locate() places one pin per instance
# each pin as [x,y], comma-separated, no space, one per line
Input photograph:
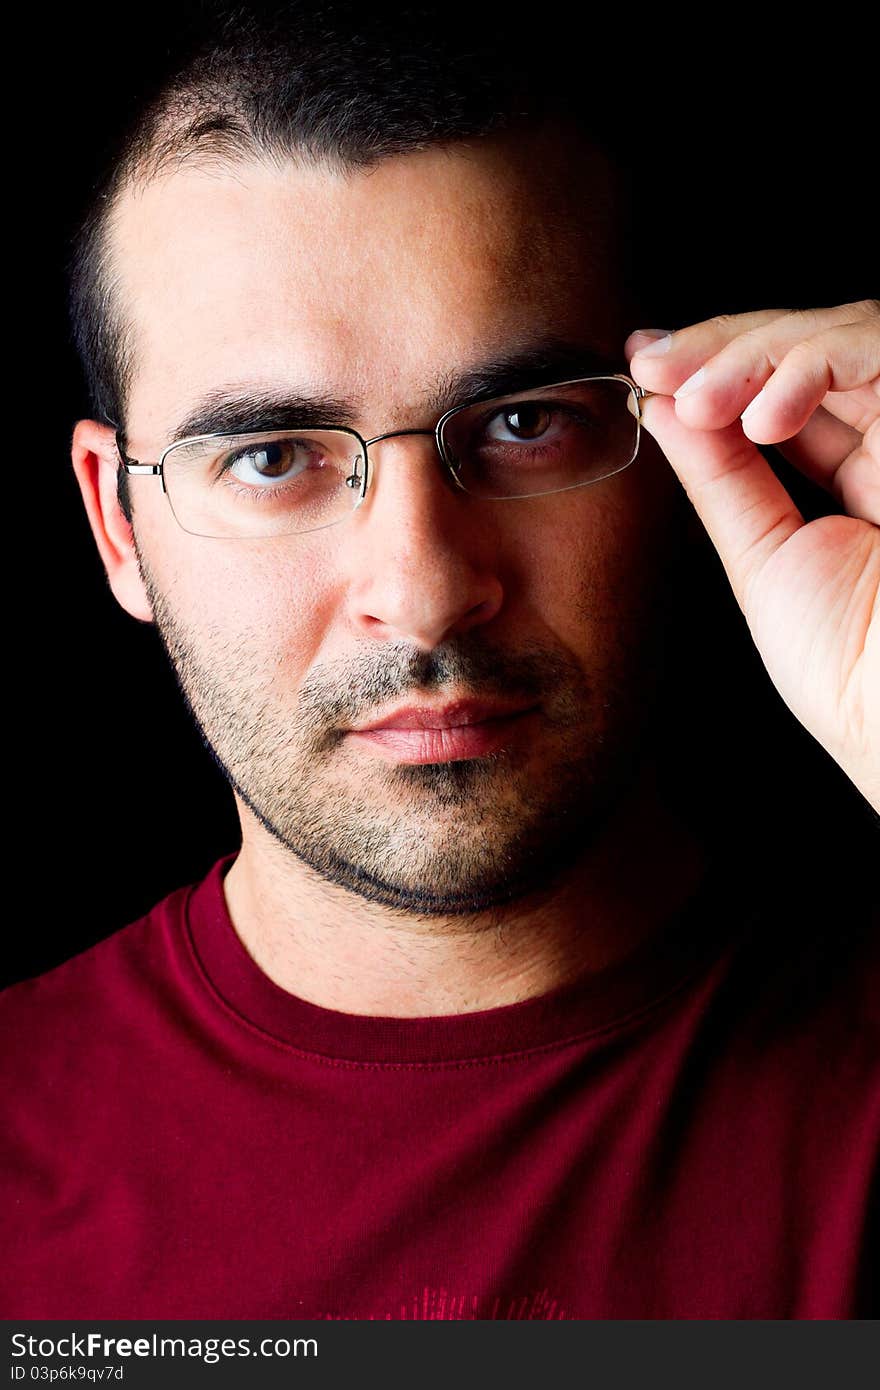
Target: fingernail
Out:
[693,383]
[662,342]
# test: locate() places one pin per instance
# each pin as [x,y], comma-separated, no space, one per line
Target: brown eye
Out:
[528,420]
[271,460]
[268,461]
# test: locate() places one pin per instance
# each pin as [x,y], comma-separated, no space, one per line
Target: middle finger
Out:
[732,356]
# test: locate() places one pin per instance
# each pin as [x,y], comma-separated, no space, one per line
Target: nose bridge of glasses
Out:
[401,434]
[449,477]
[396,434]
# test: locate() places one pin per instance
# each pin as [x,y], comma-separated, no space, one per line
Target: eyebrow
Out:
[240,410]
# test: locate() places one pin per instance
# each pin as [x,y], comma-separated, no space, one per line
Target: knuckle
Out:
[871,431]
[755,342]
[805,349]
[805,316]
[808,357]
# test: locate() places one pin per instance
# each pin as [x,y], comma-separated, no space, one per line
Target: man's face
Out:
[378,289]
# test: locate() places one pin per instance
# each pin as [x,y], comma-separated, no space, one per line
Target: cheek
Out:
[255,610]
[587,564]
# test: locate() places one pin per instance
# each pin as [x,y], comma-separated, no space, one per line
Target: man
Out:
[472,1026]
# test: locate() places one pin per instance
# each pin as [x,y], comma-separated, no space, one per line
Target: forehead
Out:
[360,284]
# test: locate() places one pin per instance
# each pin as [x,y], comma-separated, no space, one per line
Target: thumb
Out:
[737,496]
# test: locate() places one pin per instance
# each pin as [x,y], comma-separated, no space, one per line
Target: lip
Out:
[453,733]
[459,713]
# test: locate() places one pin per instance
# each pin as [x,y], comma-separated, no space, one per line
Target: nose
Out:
[421,564]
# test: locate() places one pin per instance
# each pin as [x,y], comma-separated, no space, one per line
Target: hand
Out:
[810,591]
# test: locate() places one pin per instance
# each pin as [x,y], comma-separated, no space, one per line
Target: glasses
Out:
[550,439]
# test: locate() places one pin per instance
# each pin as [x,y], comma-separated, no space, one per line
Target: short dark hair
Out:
[332,82]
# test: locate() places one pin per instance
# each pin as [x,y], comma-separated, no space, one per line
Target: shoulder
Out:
[801,991]
[54,1024]
[82,970]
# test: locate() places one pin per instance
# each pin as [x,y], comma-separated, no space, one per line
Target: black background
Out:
[755,170]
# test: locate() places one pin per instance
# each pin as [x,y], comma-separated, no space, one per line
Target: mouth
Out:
[466,729]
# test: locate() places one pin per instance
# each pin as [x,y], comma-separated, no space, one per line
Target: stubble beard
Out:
[452,839]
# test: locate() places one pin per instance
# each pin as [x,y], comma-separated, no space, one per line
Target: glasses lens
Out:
[545,440]
[266,484]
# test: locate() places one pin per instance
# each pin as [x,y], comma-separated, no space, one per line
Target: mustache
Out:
[332,697]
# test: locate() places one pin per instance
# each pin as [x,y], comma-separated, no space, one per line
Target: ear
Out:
[96,463]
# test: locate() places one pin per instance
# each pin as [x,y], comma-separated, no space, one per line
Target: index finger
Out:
[689,345]
[664,365]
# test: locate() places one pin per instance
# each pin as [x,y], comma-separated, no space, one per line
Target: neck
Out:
[335,950]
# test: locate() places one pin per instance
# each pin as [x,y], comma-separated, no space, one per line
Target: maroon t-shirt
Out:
[691,1134]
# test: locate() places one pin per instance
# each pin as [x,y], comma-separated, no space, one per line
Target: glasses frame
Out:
[639,394]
